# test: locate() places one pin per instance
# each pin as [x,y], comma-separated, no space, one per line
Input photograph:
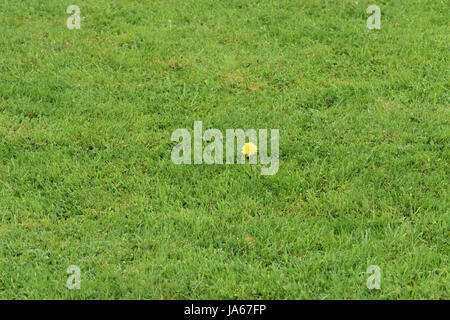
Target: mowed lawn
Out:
[86,176]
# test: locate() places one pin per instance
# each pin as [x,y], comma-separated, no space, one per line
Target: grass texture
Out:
[86,176]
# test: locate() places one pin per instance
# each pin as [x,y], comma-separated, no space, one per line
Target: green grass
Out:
[86,176]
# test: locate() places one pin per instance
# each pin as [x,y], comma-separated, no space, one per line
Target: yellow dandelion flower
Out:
[249,148]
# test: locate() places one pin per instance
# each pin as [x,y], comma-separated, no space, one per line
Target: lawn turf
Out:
[86,176]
